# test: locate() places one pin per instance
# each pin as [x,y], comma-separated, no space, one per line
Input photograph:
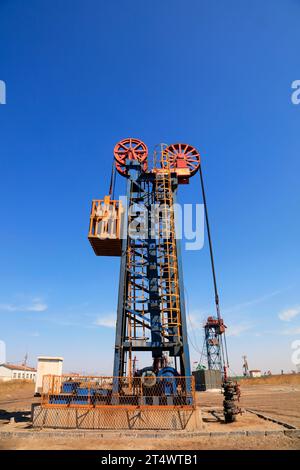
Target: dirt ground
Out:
[200,443]
[280,401]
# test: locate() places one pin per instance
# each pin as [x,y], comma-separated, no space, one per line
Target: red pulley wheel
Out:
[132,149]
[181,156]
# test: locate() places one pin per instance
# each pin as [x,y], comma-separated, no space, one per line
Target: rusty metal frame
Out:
[52,388]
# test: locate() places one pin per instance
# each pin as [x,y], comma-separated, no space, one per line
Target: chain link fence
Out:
[87,392]
[112,403]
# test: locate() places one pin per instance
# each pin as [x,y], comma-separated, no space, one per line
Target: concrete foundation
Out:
[110,418]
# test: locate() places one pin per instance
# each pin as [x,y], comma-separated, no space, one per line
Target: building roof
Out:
[50,358]
[255,370]
[18,367]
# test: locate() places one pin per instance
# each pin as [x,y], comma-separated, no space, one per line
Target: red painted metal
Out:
[183,158]
[132,149]
[216,323]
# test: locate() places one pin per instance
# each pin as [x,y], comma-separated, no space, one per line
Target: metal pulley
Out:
[184,159]
[130,149]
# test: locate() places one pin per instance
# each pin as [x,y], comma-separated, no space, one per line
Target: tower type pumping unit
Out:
[245,367]
[142,229]
[213,329]
[151,309]
[151,317]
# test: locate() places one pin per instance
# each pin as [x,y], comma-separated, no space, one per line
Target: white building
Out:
[47,365]
[255,373]
[16,372]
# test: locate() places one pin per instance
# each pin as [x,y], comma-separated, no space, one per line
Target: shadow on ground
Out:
[18,416]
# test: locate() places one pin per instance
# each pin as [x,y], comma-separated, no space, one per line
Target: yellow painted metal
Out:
[105,227]
[167,252]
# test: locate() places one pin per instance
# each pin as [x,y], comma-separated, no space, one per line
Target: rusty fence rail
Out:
[130,392]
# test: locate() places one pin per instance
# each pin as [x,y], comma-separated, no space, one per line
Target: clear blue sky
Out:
[80,76]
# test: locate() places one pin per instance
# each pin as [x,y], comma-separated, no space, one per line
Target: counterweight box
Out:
[105,227]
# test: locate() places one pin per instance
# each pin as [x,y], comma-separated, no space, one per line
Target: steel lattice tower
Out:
[151,308]
[213,329]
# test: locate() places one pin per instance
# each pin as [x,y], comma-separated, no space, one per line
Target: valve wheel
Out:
[132,149]
[148,378]
[181,156]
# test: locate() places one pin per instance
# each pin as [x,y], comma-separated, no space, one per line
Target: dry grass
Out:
[283,379]
[9,388]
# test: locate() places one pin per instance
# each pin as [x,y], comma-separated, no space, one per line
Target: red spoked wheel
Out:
[181,156]
[132,149]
